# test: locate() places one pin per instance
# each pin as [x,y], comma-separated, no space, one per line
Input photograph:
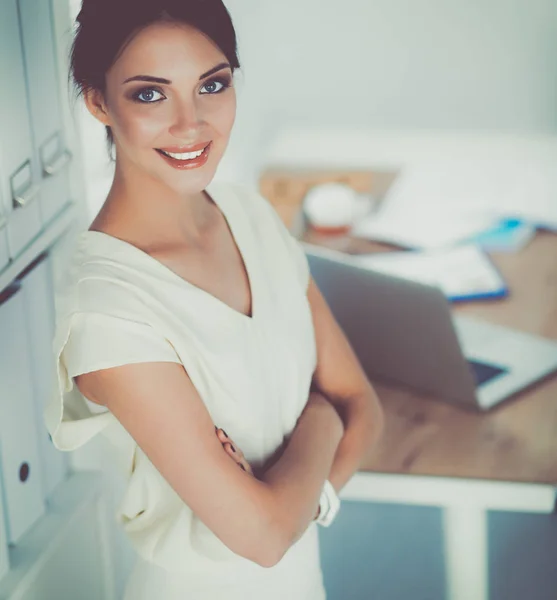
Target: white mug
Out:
[335,206]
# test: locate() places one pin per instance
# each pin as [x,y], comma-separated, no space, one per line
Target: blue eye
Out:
[147,94]
[224,83]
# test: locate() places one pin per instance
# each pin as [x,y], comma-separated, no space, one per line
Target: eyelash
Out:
[224,81]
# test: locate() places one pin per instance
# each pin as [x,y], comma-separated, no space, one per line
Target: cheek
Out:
[135,126]
[223,117]
[138,127]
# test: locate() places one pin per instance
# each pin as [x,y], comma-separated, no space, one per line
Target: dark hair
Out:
[105,27]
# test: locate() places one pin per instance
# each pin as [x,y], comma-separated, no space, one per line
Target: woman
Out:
[189,331]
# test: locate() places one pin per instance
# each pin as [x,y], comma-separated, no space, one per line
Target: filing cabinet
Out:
[44,103]
[20,463]
[37,296]
[37,217]
[35,208]
[18,157]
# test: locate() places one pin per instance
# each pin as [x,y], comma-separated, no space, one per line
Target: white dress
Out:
[119,305]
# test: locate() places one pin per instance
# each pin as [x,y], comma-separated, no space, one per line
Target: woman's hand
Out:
[233,451]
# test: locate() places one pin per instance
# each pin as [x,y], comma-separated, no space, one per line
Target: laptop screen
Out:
[484,372]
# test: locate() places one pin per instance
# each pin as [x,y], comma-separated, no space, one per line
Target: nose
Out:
[185,121]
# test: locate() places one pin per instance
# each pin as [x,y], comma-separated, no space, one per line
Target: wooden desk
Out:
[516,441]
[434,453]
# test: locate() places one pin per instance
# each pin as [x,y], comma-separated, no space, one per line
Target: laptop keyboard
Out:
[484,372]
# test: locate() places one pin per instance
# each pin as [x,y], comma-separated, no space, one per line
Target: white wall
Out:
[420,64]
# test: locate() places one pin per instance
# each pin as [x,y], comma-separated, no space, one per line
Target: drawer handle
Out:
[27,196]
[58,163]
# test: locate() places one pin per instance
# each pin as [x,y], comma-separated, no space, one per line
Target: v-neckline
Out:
[238,242]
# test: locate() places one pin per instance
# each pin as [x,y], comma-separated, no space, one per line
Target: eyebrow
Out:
[152,79]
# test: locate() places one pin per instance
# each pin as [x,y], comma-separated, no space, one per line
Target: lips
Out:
[187,163]
[183,149]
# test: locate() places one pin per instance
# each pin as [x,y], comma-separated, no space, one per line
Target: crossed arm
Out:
[339,379]
[341,420]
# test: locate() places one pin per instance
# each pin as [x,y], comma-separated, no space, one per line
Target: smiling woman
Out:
[161,82]
[116,23]
[188,315]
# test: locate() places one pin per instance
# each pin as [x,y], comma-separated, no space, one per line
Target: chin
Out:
[192,182]
[186,181]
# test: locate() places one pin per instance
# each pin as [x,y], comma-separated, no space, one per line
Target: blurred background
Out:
[427,65]
[458,100]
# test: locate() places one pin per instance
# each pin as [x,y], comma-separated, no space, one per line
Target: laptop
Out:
[404,333]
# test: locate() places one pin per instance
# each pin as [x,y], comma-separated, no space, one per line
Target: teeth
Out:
[184,155]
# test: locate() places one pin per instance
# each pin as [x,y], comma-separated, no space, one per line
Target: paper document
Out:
[422,230]
[445,201]
[428,207]
[462,273]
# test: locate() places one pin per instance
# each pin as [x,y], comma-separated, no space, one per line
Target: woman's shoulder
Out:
[97,281]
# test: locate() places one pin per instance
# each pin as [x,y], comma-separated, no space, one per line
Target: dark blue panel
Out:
[384,552]
[522,556]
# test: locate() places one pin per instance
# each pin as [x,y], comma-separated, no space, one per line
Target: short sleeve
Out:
[86,342]
[99,341]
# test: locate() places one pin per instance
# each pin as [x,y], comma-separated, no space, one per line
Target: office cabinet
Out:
[38,304]
[44,104]
[41,534]
[18,432]
[18,159]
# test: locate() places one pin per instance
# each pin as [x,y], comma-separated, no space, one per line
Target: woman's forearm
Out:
[363,424]
[297,477]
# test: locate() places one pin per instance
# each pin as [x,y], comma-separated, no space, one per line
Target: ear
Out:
[96,105]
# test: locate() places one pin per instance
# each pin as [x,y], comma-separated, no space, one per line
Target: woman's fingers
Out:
[233,451]
[223,437]
[237,458]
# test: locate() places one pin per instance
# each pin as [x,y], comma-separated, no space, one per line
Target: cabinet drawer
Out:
[44,102]
[19,460]
[18,161]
